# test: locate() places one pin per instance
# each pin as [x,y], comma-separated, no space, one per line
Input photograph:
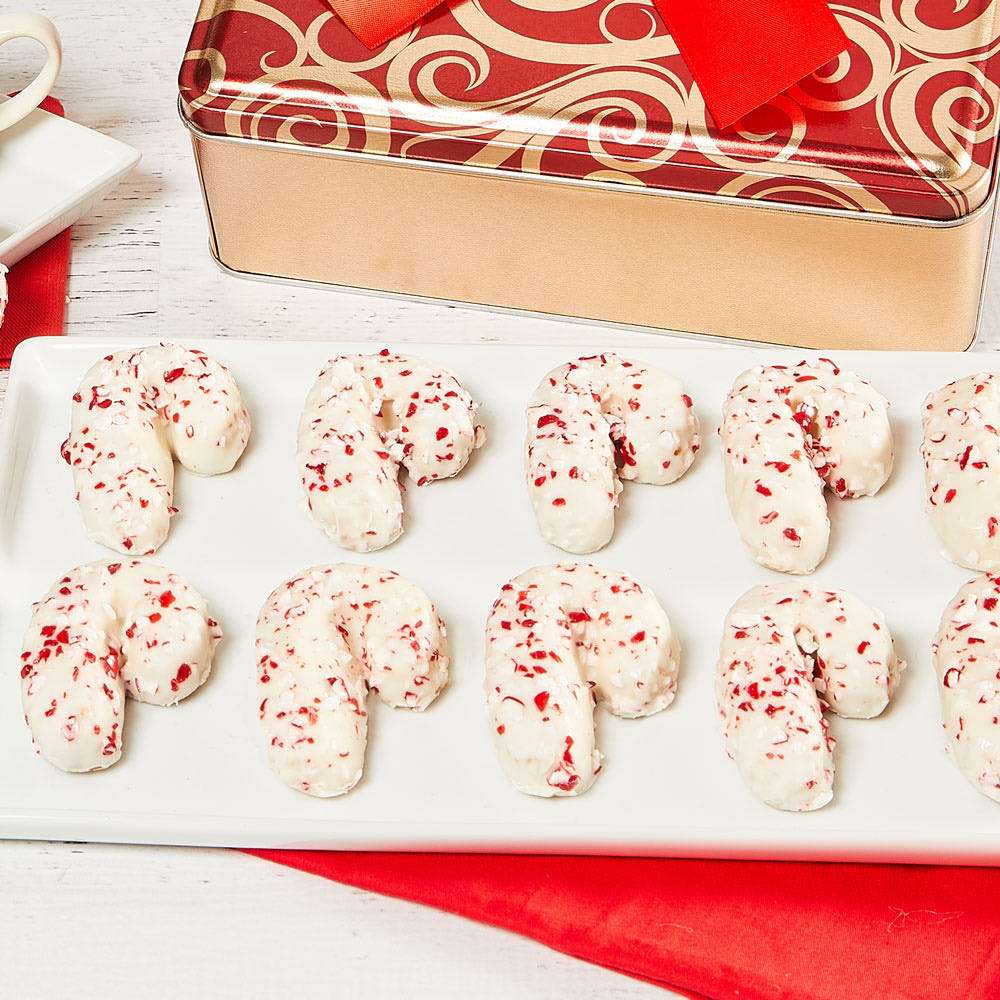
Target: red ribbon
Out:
[741,53]
[376,21]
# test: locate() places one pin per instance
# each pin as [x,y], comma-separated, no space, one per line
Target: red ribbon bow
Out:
[741,52]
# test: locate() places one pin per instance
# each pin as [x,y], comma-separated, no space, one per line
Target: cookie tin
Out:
[558,158]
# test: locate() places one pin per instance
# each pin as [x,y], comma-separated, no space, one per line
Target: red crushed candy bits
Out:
[349,452]
[595,422]
[379,633]
[952,677]
[788,434]
[134,399]
[787,654]
[183,673]
[966,649]
[961,454]
[99,658]
[589,619]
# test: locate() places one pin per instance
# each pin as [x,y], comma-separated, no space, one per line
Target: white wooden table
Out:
[177,922]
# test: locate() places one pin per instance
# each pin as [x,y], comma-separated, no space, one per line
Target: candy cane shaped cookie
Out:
[325,639]
[967,661]
[787,654]
[788,433]
[105,630]
[366,415]
[134,412]
[961,452]
[558,638]
[592,423]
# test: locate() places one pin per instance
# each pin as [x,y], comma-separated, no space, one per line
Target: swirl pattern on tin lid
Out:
[904,122]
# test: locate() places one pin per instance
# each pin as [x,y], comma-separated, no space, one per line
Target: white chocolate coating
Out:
[587,418]
[967,661]
[134,412]
[787,653]
[961,452]
[558,638]
[366,415]
[326,638]
[787,433]
[105,630]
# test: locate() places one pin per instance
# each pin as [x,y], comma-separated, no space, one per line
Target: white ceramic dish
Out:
[52,172]
[197,774]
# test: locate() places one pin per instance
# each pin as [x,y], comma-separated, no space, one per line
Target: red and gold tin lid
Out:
[904,123]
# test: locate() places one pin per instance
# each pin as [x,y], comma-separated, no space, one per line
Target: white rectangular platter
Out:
[196,774]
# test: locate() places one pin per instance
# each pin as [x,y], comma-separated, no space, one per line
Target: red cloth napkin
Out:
[36,287]
[747,930]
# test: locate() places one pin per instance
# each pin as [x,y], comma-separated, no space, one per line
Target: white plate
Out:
[52,172]
[196,774]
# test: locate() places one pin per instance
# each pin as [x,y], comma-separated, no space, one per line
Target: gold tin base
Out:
[602,252]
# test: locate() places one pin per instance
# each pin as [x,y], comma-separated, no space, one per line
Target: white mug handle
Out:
[24,24]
